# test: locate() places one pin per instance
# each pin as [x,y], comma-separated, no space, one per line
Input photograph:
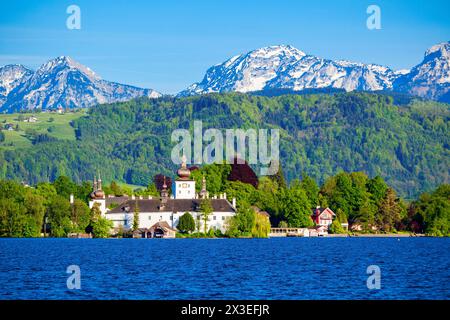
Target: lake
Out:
[281,268]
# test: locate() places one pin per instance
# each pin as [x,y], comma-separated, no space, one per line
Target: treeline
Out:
[404,141]
[30,211]
[369,203]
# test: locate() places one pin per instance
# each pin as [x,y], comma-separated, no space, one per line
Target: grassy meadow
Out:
[54,124]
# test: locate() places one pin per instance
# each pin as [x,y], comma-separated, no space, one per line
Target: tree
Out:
[206,210]
[115,189]
[312,190]
[433,211]
[64,186]
[59,216]
[81,215]
[336,227]
[279,176]
[102,228]
[261,228]
[186,223]
[136,216]
[241,171]
[295,208]
[390,211]
[99,226]
[12,218]
[35,210]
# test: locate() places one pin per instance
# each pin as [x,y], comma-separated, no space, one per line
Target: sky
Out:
[168,45]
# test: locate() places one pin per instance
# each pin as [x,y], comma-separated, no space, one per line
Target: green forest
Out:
[355,198]
[404,141]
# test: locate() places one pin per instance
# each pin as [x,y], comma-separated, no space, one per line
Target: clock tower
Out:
[184,185]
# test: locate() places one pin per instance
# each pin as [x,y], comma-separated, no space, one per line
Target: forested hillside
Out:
[321,135]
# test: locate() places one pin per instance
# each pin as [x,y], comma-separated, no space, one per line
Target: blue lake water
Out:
[284,268]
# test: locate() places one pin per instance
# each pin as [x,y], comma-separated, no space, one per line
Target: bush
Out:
[336,227]
[186,223]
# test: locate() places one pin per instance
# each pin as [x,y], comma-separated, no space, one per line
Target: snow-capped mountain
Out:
[10,77]
[62,82]
[430,78]
[285,67]
[289,68]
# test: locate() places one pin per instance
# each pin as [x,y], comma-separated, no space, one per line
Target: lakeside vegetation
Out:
[406,142]
[354,197]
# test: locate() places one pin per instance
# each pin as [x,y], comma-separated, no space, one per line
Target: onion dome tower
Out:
[183,173]
[184,185]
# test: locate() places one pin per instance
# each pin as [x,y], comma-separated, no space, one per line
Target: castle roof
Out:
[172,205]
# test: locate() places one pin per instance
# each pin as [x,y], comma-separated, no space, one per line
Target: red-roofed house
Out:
[323,216]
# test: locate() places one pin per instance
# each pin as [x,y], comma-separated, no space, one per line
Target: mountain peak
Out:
[64,82]
[441,50]
[61,63]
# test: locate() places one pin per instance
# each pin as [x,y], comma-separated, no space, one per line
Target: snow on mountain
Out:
[69,84]
[285,67]
[289,68]
[10,77]
[430,78]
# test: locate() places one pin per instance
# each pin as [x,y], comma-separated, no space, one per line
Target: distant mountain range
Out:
[285,67]
[60,82]
[67,83]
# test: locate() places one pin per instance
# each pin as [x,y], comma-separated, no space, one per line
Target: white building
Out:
[164,208]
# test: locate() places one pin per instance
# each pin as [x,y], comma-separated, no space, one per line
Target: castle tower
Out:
[97,195]
[184,185]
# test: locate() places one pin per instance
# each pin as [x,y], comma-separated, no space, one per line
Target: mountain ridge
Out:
[63,82]
[285,67]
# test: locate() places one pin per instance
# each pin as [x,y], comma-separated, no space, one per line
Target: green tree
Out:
[261,228]
[35,210]
[80,215]
[136,216]
[206,209]
[336,227]
[312,190]
[186,223]
[59,216]
[101,228]
[295,207]
[390,212]
[64,186]
[12,218]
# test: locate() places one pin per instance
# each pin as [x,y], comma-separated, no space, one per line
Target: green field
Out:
[54,124]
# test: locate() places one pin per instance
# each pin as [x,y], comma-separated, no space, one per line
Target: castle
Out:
[160,216]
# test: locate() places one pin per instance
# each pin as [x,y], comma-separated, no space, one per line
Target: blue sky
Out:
[167,45]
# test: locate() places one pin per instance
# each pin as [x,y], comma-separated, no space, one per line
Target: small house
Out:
[323,216]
